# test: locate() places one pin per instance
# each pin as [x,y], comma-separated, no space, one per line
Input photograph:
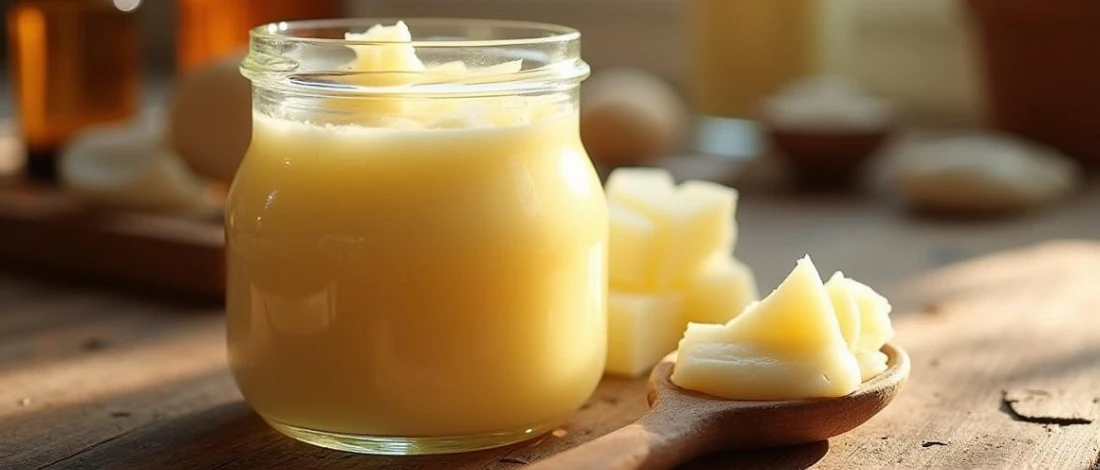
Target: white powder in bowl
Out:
[826,104]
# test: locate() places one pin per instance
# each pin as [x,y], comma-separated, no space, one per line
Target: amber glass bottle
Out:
[212,29]
[75,64]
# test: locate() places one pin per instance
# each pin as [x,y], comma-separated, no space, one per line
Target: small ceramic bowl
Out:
[826,159]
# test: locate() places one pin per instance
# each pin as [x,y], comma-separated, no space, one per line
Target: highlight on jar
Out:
[422,259]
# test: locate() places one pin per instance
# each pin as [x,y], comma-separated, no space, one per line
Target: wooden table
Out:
[1006,353]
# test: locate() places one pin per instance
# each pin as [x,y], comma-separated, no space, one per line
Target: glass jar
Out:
[416,252]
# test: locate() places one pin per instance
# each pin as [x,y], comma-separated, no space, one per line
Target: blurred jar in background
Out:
[742,51]
[75,64]
[213,29]
[1042,71]
[919,54]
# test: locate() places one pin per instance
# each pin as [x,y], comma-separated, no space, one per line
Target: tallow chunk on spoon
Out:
[682,425]
[789,369]
[806,339]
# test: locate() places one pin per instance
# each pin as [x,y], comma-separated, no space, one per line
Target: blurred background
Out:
[818,110]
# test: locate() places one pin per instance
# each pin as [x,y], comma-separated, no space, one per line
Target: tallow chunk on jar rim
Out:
[386,62]
[391,62]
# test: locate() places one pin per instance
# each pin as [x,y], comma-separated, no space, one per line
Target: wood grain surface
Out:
[683,425]
[1006,365]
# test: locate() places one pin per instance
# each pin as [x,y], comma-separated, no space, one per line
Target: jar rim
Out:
[284,31]
[281,56]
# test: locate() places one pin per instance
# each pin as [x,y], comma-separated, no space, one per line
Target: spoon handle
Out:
[648,444]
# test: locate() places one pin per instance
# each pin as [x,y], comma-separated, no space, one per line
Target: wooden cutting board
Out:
[48,231]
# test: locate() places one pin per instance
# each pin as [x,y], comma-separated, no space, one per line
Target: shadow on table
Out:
[231,435]
[784,458]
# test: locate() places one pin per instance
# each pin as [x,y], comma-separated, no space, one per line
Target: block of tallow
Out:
[641,329]
[864,318]
[392,51]
[787,346]
[687,224]
[670,262]
[721,288]
[644,327]
[632,237]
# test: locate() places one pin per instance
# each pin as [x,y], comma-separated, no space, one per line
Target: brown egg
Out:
[629,116]
[210,119]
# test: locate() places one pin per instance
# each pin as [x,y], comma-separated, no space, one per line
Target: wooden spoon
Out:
[682,424]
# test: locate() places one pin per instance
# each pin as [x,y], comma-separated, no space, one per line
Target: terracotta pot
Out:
[1043,71]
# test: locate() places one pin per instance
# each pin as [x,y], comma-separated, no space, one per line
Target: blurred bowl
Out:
[826,160]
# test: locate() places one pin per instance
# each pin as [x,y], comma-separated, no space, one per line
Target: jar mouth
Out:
[508,32]
[312,57]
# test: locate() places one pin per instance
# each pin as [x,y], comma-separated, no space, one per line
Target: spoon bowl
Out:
[683,424]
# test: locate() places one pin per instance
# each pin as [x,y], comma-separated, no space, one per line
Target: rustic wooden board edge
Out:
[45,232]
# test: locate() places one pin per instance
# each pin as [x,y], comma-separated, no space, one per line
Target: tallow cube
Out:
[720,289]
[638,187]
[632,249]
[692,222]
[641,329]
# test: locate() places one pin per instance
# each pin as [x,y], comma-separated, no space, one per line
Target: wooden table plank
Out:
[1022,320]
[1019,321]
[112,247]
[123,383]
[79,367]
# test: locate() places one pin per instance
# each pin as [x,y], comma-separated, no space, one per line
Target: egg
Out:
[210,119]
[629,116]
